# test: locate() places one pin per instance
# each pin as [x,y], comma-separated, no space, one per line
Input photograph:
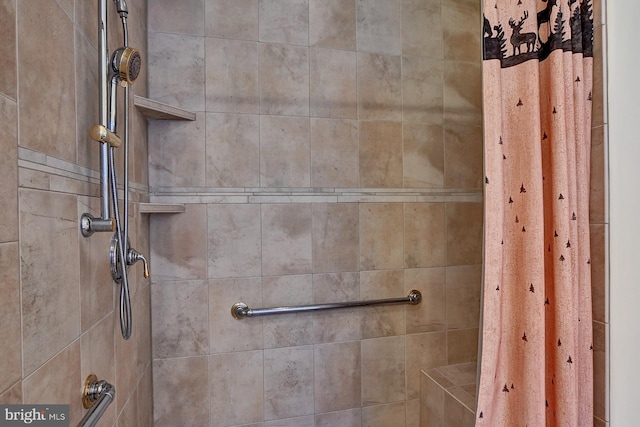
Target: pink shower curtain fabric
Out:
[537,353]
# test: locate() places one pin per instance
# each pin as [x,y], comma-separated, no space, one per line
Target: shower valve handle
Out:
[134,256]
[101,134]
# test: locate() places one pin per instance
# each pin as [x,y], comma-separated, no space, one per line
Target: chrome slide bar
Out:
[241,310]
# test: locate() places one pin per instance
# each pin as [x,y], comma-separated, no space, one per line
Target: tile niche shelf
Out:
[154,110]
[160,111]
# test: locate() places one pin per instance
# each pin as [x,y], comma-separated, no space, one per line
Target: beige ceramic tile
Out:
[284,152]
[67,6]
[423,351]
[9,167]
[284,79]
[461,25]
[227,334]
[176,153]
[600,362]
[332,24]
[379,26]
[142,320]
[186,17]
[422,28]
[8,79]
[598,238]
[233,150]
[384,415]
[464,284]
[337,363]
[236,388]
[424,235]
[336,325]
[10,333]
[333,83]
[172,406]
[413,413]
[232,76]
[379,87]
[464,233]
[97,355]
[455,414]
[597,193]
[422,92]
[232,19]
[334,153]
[233,240]
[429,315]
[380,157]
[180,322]
[291,422]
[57,382]
[335,237]
[463,157]
[383,370]
[139,161]
[460,374]
[288,382]
[289,329]
[179,244]
[177,70]
[87,21]
[126,362]
[284,21]
[86,74]
[45,99]
[286,239]
[348,418]
[381,236]
[97,351]
[423,153]
[129,415]
[13,395]
[431,403]
[383,320]
[462,93]
[145,399]
[50,274]
[462,346]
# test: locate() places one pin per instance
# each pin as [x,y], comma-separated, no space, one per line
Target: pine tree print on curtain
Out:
[537,362]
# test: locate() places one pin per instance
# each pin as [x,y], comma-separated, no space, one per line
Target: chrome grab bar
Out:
[96,397]
[241,310]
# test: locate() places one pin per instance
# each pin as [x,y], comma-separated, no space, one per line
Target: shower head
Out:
[126,63]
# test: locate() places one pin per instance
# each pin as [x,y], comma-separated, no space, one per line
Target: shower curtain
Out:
[536,358]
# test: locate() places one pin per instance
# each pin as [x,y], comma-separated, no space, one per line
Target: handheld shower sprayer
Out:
[125,64]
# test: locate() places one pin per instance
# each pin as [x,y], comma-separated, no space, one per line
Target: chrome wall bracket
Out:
[90,224]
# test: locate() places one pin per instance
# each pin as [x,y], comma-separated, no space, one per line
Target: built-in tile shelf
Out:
[160,208]
[161,111]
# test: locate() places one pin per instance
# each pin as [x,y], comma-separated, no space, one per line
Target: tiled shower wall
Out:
[336,155]
[599,220]
[57,306]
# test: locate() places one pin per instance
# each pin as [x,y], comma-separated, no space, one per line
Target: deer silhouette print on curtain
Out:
[536,362]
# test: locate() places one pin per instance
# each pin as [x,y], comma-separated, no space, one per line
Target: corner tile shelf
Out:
[160,208]
[161,111]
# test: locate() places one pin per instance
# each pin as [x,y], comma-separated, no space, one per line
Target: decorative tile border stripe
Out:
[42,172]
